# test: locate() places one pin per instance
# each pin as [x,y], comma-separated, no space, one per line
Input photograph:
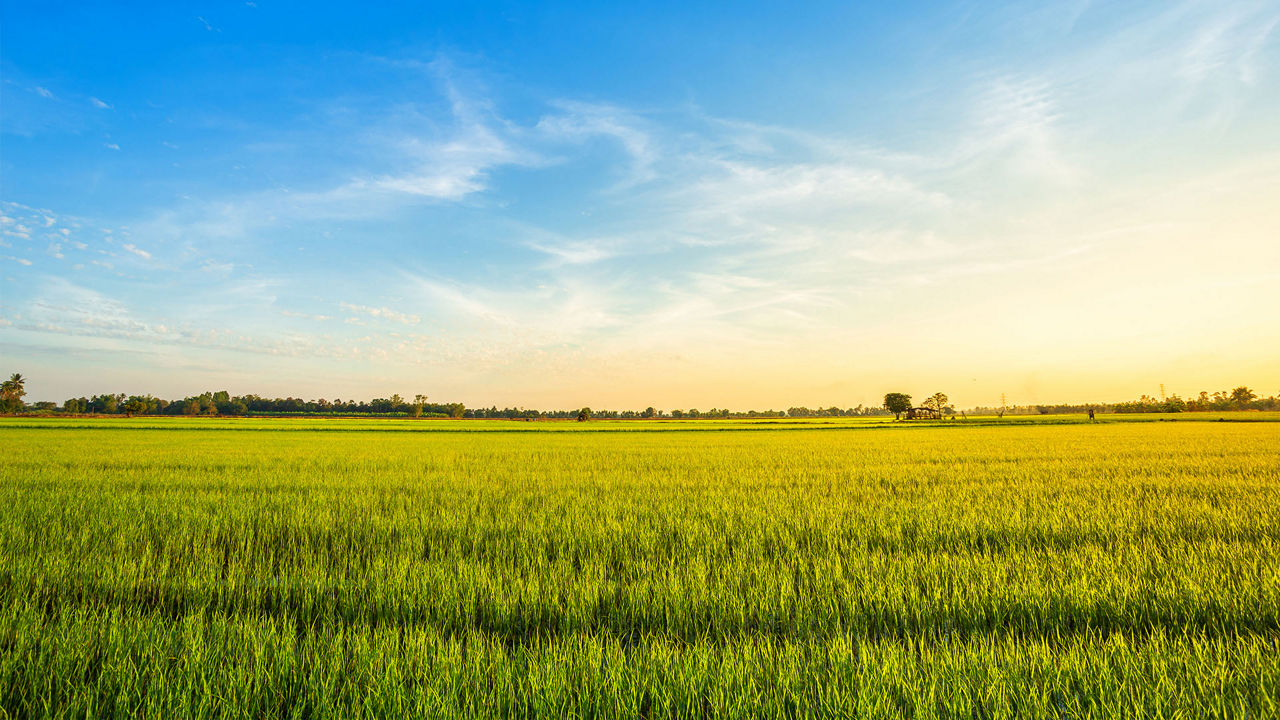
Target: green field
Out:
[434,568]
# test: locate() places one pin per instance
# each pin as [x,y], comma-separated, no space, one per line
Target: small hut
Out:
[923,413]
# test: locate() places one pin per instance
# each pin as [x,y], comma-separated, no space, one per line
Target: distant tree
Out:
[418,402]
[1241,396]
[134,406]
[897,403]
[649,412]
[584,414]
[11,393]
[937,402]
[677,413]
[107,404]
[234,406]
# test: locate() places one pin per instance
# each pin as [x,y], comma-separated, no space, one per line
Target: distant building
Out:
[923,413]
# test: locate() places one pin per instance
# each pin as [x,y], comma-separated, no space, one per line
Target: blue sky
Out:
[676,205]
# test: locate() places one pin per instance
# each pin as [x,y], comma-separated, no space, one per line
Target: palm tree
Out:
[11,392]
[13,386]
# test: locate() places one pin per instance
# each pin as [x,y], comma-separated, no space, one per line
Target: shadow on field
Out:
[617,616]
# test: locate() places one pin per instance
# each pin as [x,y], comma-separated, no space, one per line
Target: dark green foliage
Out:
[897,403]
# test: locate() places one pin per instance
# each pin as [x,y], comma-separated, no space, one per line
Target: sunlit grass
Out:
[1065,570]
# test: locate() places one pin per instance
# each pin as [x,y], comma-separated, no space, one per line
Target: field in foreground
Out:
[233,570]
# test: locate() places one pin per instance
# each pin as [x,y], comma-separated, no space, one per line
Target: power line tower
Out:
[1004,404]
[1162,397]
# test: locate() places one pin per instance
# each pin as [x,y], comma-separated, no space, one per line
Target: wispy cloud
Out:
[453,298]
[1017,121]
[130,247]
[305,316]
[382,313]
[101,105]
[582,252]
[579,121]
[446,163]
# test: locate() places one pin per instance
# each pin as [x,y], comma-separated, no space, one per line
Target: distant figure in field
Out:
[1091,417]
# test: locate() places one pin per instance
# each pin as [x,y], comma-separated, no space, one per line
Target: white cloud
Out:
[99,104]
[65,308]
[448,169]
[575,252]
[305,316]
[137,251]
[44,93]
[1017,120]
[382,313]
[578,121]
[744,188]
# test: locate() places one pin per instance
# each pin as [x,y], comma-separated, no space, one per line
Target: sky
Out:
[748,205]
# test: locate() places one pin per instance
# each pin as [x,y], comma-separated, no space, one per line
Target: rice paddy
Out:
[434,568]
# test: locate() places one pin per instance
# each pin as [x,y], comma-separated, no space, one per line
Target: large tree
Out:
[897,403]
[937,402]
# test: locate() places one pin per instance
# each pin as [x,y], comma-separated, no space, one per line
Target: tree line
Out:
[12,392]
[223,403]
[1240,398]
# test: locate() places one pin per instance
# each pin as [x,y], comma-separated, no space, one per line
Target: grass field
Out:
[344,568]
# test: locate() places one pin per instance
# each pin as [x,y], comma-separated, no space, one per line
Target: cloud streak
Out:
[382,313]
